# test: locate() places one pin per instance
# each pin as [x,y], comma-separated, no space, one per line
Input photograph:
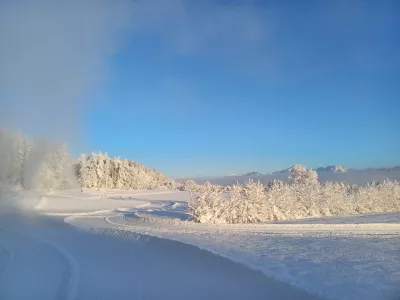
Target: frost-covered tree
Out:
[101,171]
[41,165]
[300,175]
[34,164]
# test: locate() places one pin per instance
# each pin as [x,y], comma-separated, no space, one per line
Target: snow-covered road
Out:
[32,269]
[46,258]
[109,267]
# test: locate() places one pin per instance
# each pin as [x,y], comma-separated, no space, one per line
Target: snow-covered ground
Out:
[119,253]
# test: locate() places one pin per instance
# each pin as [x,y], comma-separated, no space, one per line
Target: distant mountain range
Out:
[397,168]
[250,174]
[253,174]
[284,171]
[335,173]
[334,169]
[329,169]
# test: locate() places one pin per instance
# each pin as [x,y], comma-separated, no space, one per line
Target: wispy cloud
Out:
[193,26]
[52,55]
[272,39]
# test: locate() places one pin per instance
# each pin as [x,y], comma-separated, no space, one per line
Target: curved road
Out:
[53,260]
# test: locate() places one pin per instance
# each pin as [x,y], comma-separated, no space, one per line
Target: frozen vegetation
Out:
[101,171]
[33,164]
[303,197]
[36,164]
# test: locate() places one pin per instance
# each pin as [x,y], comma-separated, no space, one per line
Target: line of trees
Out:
[34,164]
[101,171]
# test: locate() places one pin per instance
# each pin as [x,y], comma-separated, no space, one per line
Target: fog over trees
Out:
[36,164]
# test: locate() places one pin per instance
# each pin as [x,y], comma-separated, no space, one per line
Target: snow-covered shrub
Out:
[303,198]
[377,197]
[192,186]
[242,204]
[210,186]
[279,202]
[208,206]
[251,204]
[275,183]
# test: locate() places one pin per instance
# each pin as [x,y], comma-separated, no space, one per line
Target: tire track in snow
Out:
[69,286]
[67,289]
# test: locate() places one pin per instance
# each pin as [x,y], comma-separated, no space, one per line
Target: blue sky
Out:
[199,88]
[317,84]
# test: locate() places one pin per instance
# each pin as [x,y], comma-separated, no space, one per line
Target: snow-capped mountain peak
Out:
[333,169]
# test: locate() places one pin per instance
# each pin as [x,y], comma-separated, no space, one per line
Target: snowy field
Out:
[142,245]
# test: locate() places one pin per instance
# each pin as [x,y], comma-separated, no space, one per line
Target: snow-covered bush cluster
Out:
[192,186]
[101,171]
[304,197]
[34,164]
